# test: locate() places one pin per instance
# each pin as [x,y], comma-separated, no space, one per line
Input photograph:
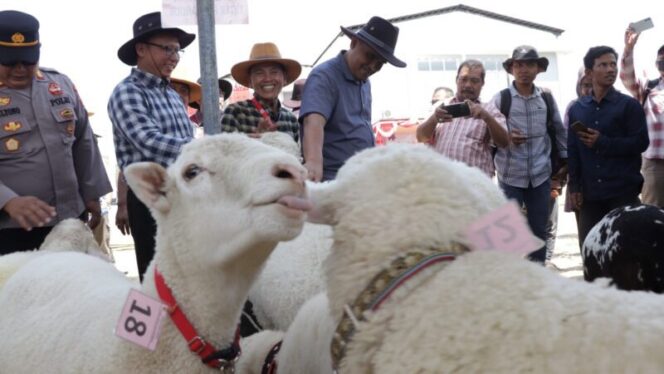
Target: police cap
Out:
[19,38]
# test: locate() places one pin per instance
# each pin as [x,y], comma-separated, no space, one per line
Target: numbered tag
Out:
[504,229]
[141,319]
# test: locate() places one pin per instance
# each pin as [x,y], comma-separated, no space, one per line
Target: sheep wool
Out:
[483,312]
[59,310]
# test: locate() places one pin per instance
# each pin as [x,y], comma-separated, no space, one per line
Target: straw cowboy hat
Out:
[261,53]
[526,53]
[144,27]
[194,89]
[381,36]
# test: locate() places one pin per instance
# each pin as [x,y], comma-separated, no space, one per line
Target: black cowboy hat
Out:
[381,36]
[524,53]
[144,27]
[225,90]
[19,37]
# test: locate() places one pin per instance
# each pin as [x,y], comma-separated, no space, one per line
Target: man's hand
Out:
[442,115]
[122,219]
[588,137]
[94,208]
[265,125]
[314,170]
[29,211]
[631,37]
[576,198]
[517,137]
[476,110]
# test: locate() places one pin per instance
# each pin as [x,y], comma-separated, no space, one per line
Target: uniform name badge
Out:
[141,320]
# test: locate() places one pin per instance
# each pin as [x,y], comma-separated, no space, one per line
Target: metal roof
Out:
[456,8]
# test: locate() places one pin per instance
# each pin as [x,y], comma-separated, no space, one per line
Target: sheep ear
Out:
[322,210]
[148,181]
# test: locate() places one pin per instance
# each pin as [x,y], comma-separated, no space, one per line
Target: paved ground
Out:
[566,258]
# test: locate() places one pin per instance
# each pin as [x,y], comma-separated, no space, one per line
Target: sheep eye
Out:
[191,172]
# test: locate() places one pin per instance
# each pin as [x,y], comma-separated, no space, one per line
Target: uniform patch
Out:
[67,113]
[60,101]
[70,128]
[5,100]
[54,89]
[12,145]
[12,126]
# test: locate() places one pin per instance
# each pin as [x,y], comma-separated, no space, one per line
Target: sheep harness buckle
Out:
[379,289]
[224,359]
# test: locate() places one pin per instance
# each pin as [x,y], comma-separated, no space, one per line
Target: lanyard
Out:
[262,110]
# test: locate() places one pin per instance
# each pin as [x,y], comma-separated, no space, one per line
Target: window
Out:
[439,63]
[490,62]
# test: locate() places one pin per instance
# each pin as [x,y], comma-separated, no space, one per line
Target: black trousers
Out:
[143,230]
[16,240]
[592,212]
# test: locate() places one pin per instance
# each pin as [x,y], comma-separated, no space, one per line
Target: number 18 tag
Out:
[504,229]
[141,319]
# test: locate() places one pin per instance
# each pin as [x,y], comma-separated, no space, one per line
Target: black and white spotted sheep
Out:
[627,246]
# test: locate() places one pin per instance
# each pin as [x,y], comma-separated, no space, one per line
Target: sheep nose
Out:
[286,171]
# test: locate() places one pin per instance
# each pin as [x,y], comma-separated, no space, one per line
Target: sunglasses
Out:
[11,64]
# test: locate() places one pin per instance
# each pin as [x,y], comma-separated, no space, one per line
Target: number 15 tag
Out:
[504,229]
[141,319]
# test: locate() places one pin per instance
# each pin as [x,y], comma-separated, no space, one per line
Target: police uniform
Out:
[47,148]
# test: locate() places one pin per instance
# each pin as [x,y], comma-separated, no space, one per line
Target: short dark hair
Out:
[596,52]
[660,51]
[472,63]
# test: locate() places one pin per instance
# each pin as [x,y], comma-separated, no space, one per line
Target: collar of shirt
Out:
[611,96]
[345,70]
[536,91]
[148,79]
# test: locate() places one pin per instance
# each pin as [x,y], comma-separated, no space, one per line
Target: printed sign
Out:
[183,12]
[141,319]
[504,229]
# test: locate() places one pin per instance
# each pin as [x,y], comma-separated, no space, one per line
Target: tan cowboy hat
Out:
[194,89]
[261,53]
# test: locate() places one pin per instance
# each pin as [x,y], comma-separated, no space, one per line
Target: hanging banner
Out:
[183,12]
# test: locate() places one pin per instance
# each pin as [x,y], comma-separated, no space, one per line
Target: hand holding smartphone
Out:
[642,25]
[578,127]
[457,110]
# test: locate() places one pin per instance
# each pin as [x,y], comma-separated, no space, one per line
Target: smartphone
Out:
[642,25]
[578,126]
[457,110]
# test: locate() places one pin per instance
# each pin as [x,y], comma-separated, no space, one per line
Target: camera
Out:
[457,110]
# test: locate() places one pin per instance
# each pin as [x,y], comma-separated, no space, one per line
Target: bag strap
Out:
[649,86]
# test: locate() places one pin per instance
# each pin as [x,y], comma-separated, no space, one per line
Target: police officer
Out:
[50,165]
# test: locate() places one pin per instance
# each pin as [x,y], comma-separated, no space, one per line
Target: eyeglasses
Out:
[11,64]
[170,51]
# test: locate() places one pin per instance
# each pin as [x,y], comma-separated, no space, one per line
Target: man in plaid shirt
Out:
[651,95]
[266,73]
[150,122]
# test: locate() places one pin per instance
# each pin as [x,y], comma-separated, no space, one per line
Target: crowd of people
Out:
[606,146]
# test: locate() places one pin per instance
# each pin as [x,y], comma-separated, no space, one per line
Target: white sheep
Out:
[220,210]
[68,235]
[482,312]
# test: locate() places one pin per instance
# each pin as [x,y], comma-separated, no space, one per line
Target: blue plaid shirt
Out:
[150,123]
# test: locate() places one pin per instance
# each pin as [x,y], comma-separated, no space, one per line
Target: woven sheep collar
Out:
[380,288]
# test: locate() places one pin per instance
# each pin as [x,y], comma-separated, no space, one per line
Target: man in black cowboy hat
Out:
[524,167]
[149,121]
[336,102]
[50,165]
